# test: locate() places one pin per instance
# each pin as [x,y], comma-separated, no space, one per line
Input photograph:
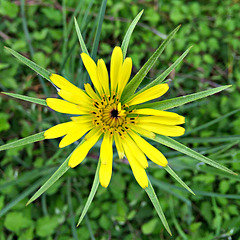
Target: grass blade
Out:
[91,195]
[80,38]
[98,31]
[38,69]
[169,142]
[160,78]
[128,34]
[176,102]
[152,195]
[26,98]
[177,178]
[30,139]
[137,79]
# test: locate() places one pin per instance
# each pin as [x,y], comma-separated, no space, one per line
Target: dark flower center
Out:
[114,113]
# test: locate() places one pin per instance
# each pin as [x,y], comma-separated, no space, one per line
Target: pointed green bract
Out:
[153,197]
[28,99]
[91,195]
[161,78]
[128,34]
[176,102]
[38,69]
[137,79]
[169,142]
[24,141]
[80,38]
[174,175]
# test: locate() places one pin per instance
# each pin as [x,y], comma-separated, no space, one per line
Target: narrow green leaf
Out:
[137,79]
[153,197]
[59,172]
[128,34]
[30,139]
[38,69]
[169,142]
[80,38]
[26,98]
[161,78]
[176,102]
[98,31]
[91,195]
[174,175]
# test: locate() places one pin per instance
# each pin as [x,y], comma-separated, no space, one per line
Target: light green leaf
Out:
[38,69]
[174,175]
[80,38]
[91,195]
[137,79]
[160,78]
[98,31]
[128,34]
[169,142]
[152,195]
[30,139]
[176,102]
[59,172]
[28,99]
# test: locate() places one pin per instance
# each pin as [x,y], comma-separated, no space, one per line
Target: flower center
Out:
[114,113]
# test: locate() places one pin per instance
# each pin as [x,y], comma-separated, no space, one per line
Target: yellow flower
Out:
[103,114]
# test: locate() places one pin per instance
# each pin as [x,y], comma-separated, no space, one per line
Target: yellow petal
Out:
[162,120]
[124,75]
[81,152]
[92,71]
[119,146]
[65,85]
[149,94]
[105,174]
[82,119]
[91,92]
[75,134]
[151,152]
[138,154]
[59,130]
[103,75]
[115,68]
[166,130]
[155,112]
[142,131]
[62,106]
[138,171]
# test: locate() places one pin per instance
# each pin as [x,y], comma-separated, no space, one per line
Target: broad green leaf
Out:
[38,69]
[91,195]
[28,99]
[99,28]
[59,172]
[174,175]
[169,142]
[128,34]
[30,139]
[152,195]
[137,79]
[160,78]
[80,38]
[176,102]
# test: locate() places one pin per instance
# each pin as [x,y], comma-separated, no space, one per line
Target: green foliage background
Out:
[44,32]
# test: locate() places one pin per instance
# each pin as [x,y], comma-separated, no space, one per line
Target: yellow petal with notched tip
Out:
[162,120]
[65,85]
[119,146]
[138,171]
[152,153]
[60,130]
[81,152]
[75,134]
[91,67]
[166,130]
[124,75]
[62,106]
[115,67]
[149,94]
[103,75]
